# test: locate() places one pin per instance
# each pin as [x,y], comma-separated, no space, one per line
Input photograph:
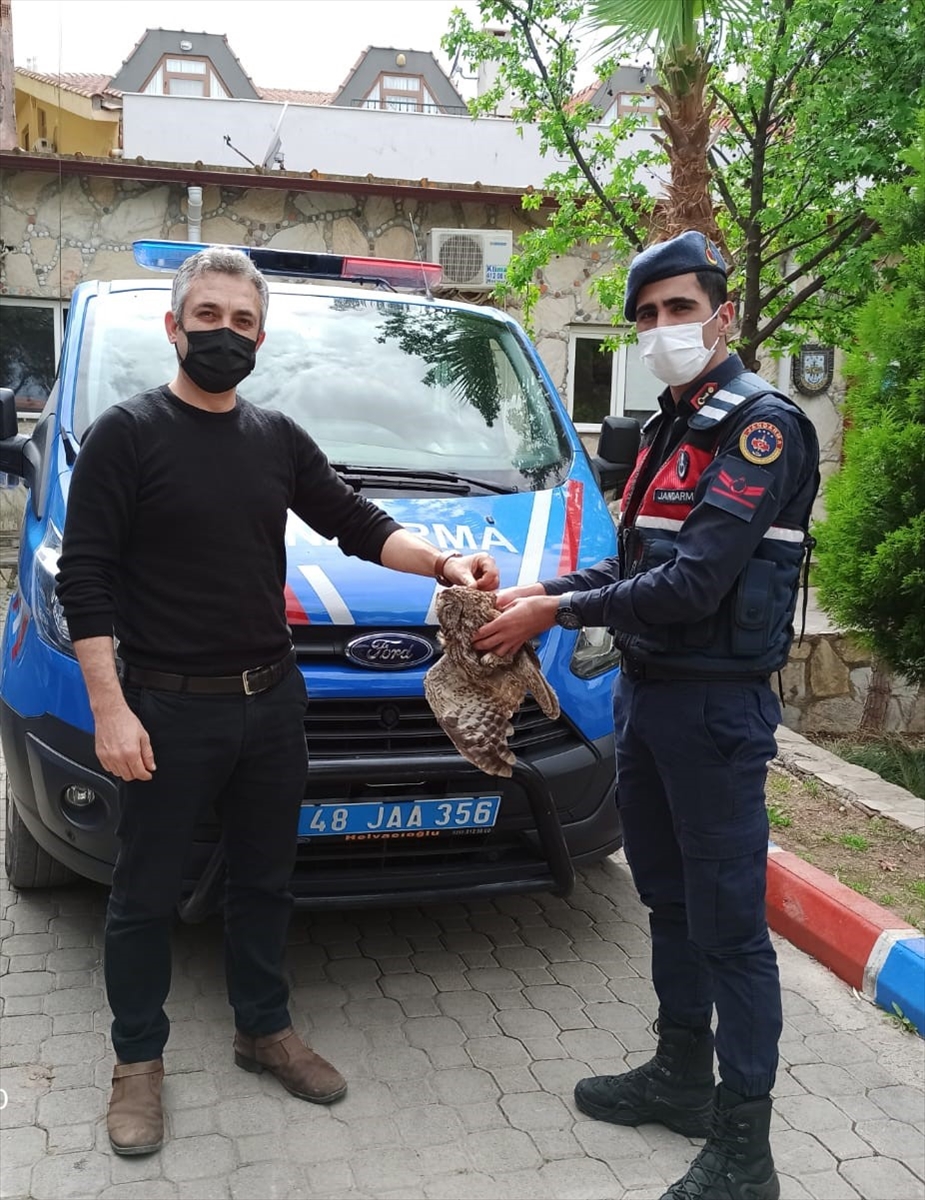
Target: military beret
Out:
[690,251]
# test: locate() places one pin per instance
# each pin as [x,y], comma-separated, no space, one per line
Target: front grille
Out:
[370,727]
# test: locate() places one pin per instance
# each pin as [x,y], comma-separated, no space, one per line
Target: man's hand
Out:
[122,744]
[523,618]
[404,551]
[474,570]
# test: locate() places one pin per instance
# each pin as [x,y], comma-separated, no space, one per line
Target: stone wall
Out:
[826,682]
[58,233]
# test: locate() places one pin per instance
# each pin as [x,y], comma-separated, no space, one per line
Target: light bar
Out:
[396,271]
[166,256]
[298,264]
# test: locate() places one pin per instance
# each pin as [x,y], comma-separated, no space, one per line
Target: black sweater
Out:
[174,537]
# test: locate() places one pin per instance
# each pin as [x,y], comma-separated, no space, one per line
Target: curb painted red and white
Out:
[864,944]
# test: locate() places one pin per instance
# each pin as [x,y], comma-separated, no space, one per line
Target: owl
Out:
[473,695]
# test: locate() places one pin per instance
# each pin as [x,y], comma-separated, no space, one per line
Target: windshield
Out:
[377,382]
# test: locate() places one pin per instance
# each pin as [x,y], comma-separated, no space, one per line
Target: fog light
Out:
[78,795]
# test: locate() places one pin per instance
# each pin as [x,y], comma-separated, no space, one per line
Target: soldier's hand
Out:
[523,619]
[506,597]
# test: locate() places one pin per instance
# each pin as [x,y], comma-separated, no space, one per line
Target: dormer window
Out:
[186,76]
[401,93]
[638,104]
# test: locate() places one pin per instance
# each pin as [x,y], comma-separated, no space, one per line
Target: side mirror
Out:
[617,449]
[12,443]
[9,426]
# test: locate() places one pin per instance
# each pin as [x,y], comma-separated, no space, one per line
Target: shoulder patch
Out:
[761,442]
[738,488]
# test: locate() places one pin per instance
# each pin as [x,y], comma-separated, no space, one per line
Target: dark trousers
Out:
[691,768]
[245,755]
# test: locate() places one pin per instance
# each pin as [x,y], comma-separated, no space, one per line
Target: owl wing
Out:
[472,718]
[536,682]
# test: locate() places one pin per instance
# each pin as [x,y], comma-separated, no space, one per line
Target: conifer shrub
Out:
[871,545]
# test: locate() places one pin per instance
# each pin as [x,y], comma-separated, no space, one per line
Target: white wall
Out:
[351,142]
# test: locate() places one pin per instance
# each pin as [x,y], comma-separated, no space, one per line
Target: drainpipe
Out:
[194,214]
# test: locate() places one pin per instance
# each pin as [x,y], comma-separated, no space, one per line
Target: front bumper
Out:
[557,811]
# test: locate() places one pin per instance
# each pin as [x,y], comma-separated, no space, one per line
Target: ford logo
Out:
[389,651]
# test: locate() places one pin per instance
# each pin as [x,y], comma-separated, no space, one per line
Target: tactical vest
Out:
[750,631]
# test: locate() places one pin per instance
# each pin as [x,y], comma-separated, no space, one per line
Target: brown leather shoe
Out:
[298,1068]
[136,1118]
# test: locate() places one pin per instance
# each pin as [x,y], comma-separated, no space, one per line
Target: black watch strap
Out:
[566,616]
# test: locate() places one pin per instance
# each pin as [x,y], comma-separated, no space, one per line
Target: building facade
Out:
[373,169]
[61,227]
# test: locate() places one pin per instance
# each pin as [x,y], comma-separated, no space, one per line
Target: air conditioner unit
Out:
[474,259]
[43,146]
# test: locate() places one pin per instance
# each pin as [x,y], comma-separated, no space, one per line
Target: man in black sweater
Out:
[174,543]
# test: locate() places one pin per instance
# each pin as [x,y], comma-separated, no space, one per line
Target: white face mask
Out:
[675,354]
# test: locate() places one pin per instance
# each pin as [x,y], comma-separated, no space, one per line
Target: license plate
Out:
[395,817]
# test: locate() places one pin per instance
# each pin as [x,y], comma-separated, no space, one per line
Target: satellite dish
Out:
[274,154]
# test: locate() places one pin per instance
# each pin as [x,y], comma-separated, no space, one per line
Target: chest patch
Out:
[684,464]
[761,442]
[674,496]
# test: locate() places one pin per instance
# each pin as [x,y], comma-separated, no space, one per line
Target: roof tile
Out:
[80,82]
[295,96]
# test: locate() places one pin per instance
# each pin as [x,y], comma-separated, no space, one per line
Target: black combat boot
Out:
[736,1162]
[674,1088]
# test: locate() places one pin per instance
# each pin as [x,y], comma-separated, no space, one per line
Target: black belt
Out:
[248,683]
[637,670]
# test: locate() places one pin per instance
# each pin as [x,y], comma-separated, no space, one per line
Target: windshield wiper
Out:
[430,480]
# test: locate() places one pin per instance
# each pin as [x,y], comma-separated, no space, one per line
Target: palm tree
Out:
[683,35]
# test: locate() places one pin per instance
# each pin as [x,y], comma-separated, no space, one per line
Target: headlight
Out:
[594,653]
[46,607]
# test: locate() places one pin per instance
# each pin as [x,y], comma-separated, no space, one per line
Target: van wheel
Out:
[27,864]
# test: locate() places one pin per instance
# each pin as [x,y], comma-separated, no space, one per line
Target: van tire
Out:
[27,864]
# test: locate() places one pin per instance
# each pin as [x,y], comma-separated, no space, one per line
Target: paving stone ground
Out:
[462,1030]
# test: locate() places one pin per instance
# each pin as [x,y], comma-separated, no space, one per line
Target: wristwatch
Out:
[565,614]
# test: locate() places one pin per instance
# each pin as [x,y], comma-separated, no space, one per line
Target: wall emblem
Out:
[813,369]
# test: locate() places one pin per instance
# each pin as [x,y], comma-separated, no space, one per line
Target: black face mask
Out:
[218,359]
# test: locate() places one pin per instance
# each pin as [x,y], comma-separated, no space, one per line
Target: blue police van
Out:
[443,414]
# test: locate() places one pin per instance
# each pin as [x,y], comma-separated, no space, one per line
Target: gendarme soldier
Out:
[713,530]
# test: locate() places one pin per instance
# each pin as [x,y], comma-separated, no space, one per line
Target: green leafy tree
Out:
[805,110]
[871,546]
[826,99]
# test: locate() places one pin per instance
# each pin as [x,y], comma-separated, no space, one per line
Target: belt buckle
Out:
[245,679]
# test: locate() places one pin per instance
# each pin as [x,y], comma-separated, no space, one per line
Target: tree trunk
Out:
[685,120]
[877,700]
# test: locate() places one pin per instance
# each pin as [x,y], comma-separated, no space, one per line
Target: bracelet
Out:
[440,566]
